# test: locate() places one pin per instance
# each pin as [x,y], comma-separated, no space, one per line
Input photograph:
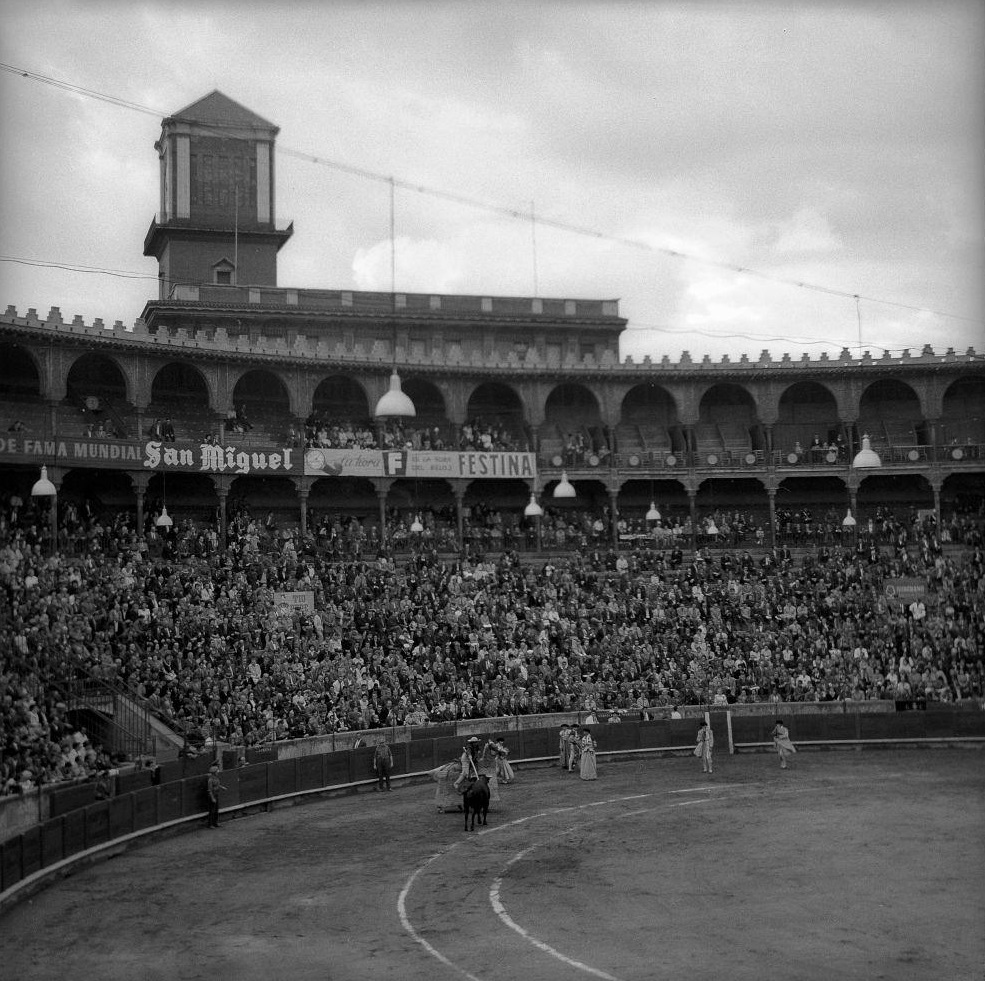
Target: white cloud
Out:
[806,231]
[422,266]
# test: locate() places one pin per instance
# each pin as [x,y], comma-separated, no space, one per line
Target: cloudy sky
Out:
[834,145]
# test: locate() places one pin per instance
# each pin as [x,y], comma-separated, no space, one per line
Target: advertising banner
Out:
[151,455]
[302,600]
[419,464]
[905,590]
[238,460]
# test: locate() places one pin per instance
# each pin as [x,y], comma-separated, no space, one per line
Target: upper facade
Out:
[222,335]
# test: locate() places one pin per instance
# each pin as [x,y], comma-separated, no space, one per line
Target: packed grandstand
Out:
[226,531]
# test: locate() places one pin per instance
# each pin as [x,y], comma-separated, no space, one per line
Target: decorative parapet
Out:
[374,351]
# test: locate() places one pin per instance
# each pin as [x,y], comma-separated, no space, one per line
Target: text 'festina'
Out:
[215,459]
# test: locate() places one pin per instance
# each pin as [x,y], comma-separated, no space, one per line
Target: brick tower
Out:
[217,221]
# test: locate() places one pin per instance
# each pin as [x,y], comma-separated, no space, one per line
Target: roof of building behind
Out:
[217,109]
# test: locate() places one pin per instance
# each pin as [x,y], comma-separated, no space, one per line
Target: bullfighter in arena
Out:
[706,742]
[781,740]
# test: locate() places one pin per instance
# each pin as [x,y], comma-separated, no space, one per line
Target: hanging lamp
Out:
[394,402]
[564,486]
[866,458]
[43,487]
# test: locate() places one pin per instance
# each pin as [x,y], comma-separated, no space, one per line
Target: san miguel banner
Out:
[151,455]
[420,464]
[206,458]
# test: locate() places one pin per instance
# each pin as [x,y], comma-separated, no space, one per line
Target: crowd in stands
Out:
[476,434]
[580,449]
[399,637]
[822,450]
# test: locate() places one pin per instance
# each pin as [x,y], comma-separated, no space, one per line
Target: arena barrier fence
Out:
[81,829]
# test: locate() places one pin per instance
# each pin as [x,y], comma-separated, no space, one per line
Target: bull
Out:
[476,800]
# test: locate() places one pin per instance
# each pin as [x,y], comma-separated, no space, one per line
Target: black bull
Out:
[476,801]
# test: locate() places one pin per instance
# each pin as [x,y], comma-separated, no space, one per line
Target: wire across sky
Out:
[474,203]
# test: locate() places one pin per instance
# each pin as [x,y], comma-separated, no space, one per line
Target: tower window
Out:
[223,273]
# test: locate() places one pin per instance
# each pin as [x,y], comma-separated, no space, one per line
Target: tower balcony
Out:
[209,228]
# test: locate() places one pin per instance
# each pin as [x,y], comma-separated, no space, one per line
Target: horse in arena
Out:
[476,800]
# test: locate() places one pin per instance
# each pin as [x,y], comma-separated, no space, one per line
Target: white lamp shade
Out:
[395,402]
[653,514]
[416,526]
[564,486]
[866,458]
[43,487]
[533,509]
[848,521]
[164,519]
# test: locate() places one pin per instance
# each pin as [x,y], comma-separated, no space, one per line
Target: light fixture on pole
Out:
[848,524]
[564,487]
[394,402]
[866,458]
[533,509]
[164,519]
[43,487]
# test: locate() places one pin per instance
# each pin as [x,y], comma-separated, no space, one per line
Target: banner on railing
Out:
[905,590]
[301,600]
[419,464]
[152,455]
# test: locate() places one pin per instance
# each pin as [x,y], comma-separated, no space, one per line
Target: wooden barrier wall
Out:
[78,823]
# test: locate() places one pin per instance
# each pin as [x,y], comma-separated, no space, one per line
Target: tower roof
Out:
[216,109]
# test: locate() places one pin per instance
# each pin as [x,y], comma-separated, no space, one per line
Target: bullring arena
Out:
[847,865]
[266,529]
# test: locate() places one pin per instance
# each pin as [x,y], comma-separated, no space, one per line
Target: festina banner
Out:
[420,464]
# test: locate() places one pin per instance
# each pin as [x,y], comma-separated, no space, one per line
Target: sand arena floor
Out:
[848,865]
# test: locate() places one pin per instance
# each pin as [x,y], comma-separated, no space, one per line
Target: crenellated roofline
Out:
[217,341]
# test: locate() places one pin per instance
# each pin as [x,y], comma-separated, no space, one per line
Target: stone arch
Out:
[428,399]
[648,420]
[499,406]
[95,374]
[180,382]
[265,397]
[20,373]
[728,421]
[890,413]
[963,412]
[806,409]
[340,397]
[571,412]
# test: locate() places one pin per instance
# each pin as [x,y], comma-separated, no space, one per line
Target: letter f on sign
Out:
[394,463]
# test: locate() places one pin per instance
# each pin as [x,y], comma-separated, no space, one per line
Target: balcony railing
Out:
[829,461]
